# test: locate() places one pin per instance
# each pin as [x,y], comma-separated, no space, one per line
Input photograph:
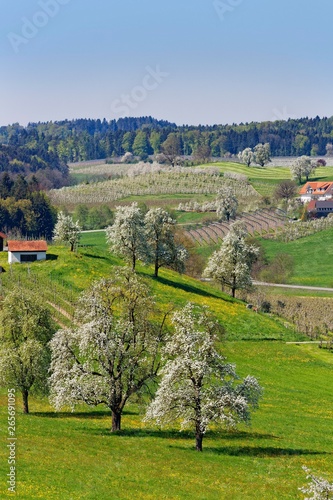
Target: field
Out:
[60,280]
[74,456]
[313,258]
[265,180]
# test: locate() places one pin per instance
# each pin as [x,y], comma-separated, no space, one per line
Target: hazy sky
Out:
[187,61]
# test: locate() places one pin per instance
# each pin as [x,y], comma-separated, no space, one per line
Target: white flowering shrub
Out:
[198,387]
[298,229]
[236,176]
[127,158]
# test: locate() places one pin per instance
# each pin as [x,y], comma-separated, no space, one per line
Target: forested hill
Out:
[33,158]
[85,139]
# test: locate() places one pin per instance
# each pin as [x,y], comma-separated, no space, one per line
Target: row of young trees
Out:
[122,346]
[149,237]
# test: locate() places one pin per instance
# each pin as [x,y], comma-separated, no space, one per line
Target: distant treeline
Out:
[49,146]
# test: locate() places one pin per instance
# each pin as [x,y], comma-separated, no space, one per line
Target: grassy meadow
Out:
[73,456]
[312,255]
[61,278]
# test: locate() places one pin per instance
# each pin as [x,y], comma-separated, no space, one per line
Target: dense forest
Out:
[46,147]
[25,210]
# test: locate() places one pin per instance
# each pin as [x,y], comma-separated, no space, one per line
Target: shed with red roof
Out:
[26,251]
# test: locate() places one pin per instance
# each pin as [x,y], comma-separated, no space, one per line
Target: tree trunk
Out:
[198,441]
[133,262]
[156,268]
[25,396]
[116,421]
[233,290]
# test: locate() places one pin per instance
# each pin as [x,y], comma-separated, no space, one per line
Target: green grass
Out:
[74,272]
[74,456]
[313,258]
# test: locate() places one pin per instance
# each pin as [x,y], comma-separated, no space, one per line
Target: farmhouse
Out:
[26,251]
[316,190]
[320,208]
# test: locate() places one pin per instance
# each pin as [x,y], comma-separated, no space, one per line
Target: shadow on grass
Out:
[192,289]
[260,451]
[78,414]
[51,256]
[92,256]
[177,435]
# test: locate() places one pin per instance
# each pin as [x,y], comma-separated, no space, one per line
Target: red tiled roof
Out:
[2,235]
[317,187]
[312,206]
[27,246]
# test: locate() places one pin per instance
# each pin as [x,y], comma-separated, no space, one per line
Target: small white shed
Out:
[26,251]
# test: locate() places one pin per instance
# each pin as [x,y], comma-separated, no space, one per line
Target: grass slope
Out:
[73,455]
[73,272]
[313,258]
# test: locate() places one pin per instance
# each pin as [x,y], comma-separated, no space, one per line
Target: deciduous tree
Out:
[171,148]
[262,154]
[246,156]
[67,230]
[198,387]
[162,247]
[226,203]
[113,353]
[127,234]
[302,167]
[26,328]
[231,264]
[285,190]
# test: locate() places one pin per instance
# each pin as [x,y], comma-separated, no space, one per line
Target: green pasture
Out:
[74,272]
[73,456]
[265,179]
[312,255]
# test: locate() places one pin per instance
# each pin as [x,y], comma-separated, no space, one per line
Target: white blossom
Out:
[262,154]
[113,352]
[231,264]
[226,204]
[303,166]
[246,156]
[198,387]
[126,236]
[318,488]
[67,230]
[162,248]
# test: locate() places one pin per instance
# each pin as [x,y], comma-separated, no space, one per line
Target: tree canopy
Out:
[198,387]
[114,352]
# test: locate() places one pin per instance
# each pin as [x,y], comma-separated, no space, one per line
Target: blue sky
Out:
[187,61]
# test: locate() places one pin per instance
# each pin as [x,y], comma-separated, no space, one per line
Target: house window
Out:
[28,258]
